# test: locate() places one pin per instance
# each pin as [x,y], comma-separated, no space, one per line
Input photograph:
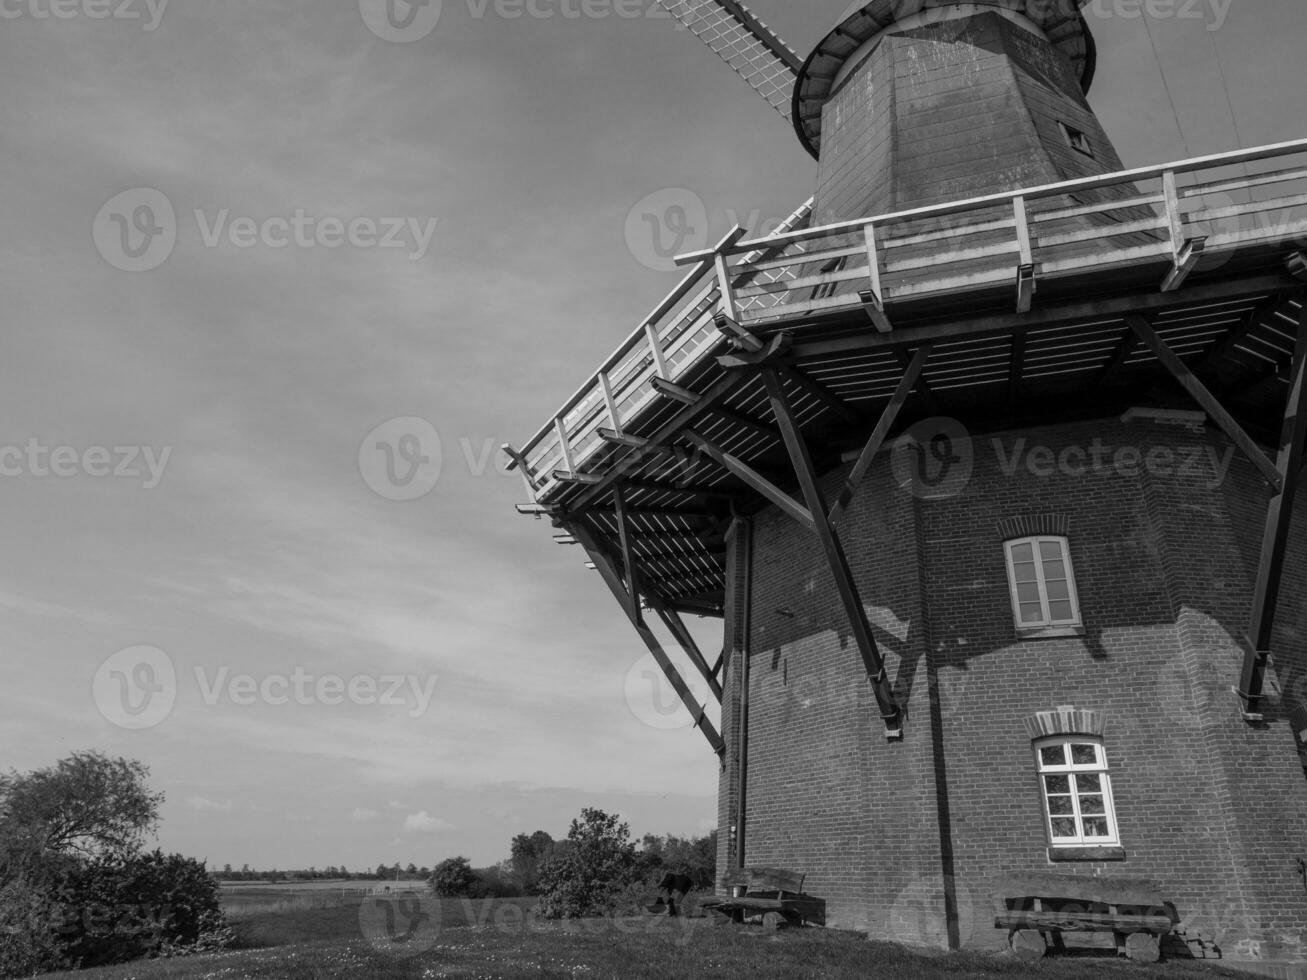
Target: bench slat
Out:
[765,879]
[1075,888]
[1084,922]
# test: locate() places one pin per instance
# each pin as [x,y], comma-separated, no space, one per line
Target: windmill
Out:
[893,98]
[941,644]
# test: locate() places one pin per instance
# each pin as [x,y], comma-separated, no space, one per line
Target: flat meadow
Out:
[307,933]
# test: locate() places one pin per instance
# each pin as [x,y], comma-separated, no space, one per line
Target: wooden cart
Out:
[773,894]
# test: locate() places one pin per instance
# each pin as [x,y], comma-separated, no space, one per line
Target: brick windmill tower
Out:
[987,460]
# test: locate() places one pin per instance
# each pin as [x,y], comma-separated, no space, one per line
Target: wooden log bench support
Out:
[1036,907]
[772,893]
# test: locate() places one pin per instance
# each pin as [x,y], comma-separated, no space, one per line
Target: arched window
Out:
[1042,584]
[1077,791]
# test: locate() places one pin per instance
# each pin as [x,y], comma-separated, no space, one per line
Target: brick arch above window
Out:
[1034,525]
[1065,720]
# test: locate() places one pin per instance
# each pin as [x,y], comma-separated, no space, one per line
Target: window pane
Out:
[1059,590]
[1060,610]
[1089,782]
[1084,755]
[1050,549]
[1096,826]
[1092,806]
[1064,827]
[1023,552]
[1024,571]
[1053,755]
[1060,806]
[1057,784]
[1027,592]
[1054,569]
[1032,613]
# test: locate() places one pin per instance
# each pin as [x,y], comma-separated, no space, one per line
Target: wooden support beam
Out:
[582,479]
[820,393]
[610,401]
[752,477]
[835,557]
[717,667]
[729,328]
[1184,263]
[1275,540]
[624,539]
[1119,356]
[707,493]
[674,391]
[676,625]
[880,433]
[1199,392]
[604,564]
[756,426]
[615,438]
[768,353]
[1297,265]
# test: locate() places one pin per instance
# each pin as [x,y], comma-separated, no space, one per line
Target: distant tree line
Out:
[596,870]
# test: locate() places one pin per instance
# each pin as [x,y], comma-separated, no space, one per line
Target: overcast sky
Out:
[241,520]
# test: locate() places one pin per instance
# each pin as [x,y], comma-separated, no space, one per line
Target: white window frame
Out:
[1074,772]
[1046,621]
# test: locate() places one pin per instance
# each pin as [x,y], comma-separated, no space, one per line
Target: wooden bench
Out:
[1035,907]
[772,893]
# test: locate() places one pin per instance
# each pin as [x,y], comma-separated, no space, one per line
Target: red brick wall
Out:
[1212,808]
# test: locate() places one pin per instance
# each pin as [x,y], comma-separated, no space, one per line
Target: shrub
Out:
[118,910]
[29,942]
[453,878]
[584,878]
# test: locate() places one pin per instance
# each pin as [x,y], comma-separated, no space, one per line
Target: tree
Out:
[583,878]
[85,806]
[453,877]
[529,852]
[411,870]
[381,872]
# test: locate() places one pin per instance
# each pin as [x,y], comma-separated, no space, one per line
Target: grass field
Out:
[502,940]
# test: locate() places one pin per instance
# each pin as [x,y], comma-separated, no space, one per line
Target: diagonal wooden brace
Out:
[1200,393]
[838,562]
[630,604]
[1275,541]
[880,433]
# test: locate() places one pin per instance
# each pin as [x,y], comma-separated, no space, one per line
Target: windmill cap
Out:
[1060,20]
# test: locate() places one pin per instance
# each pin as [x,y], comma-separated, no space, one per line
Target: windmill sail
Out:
[745,43]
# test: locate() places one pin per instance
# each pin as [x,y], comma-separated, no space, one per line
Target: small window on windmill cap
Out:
[1076,139]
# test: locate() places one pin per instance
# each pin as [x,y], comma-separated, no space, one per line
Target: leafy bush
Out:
[115,910]
[453,878]
[29,942]
[584,878]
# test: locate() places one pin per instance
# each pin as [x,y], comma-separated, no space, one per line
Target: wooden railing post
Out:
[724,285]
[606,386]
[659,358]
[873,297]
[1026,257]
